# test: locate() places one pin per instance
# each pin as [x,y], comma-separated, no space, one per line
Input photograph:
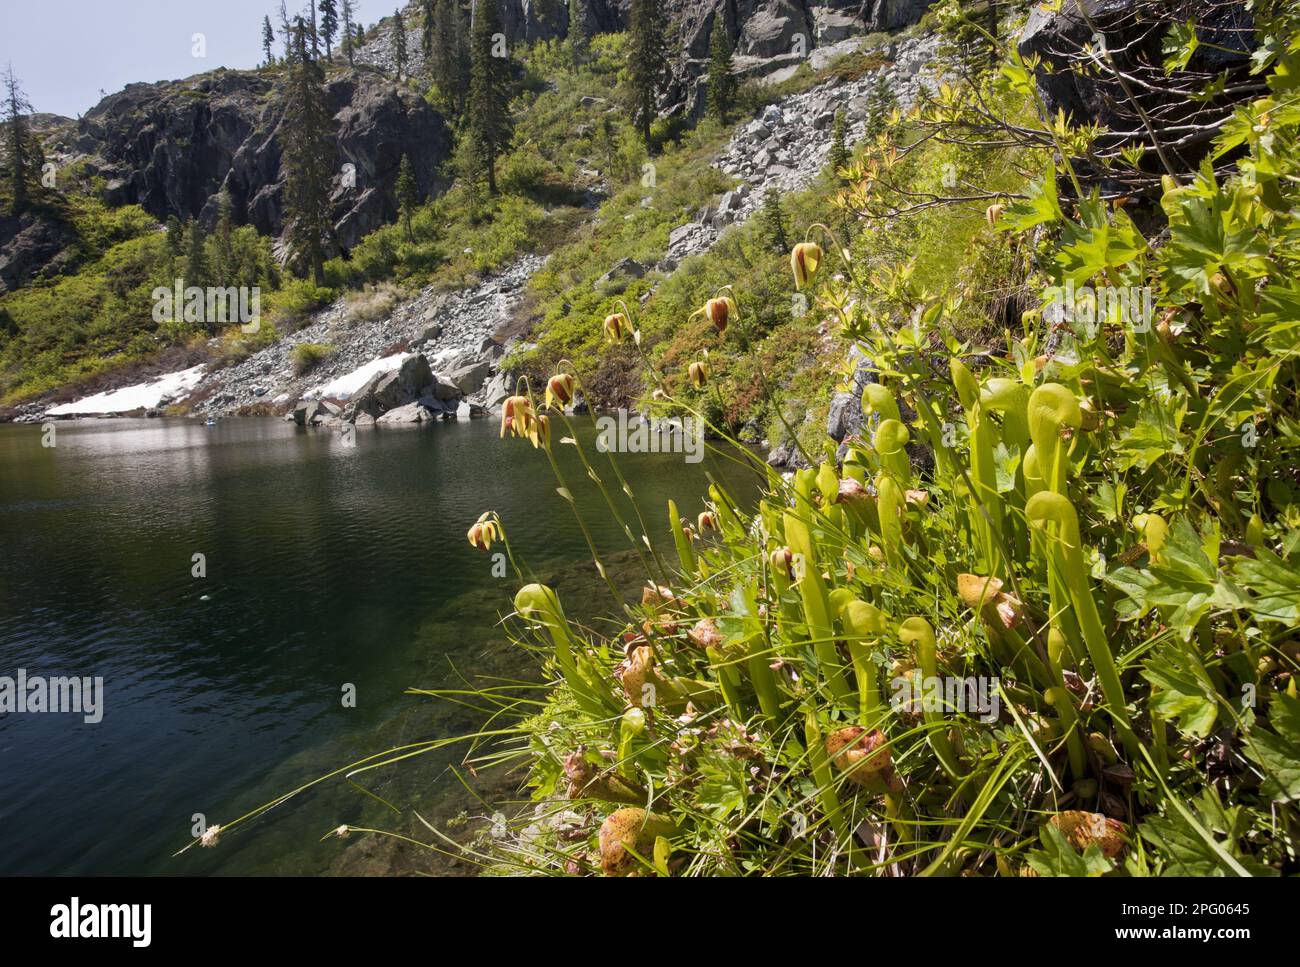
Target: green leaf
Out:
[1179,45]
[1277,753]
[1040,207]
[1275,583]
[1059,858]
[1183,848]
[1182,692]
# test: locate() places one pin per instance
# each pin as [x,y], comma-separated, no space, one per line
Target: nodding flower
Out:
[483,533]
[707,521]
[539,431]
[687,529]
[994,212]
[516,416]
[804,260]
[617,327]
[699,373]
[782,561]
[559,389]
[720,312]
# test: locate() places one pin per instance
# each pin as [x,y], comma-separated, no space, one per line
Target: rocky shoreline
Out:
[438,355]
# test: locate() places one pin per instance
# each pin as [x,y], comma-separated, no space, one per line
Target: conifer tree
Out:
[308,156]
[488,107]
[399,43]
[880,102]
[348,40]
[315,34]
[268,41]
[286,32]
[196,259]
[329,24]
[647,64]
[839,156]
[773,221]
[175,236]
[428,31]
[408,194]
[722,78]
[450,65]
[578,39]
[23,155]
[223,262]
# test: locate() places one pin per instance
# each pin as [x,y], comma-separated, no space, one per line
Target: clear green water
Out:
[326,565]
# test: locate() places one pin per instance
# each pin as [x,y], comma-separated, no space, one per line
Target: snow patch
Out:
[344,386]
[140,396]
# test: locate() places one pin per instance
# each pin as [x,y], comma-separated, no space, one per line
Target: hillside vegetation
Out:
[1041,619]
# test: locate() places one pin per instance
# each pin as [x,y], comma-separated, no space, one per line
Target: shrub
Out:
[306,356]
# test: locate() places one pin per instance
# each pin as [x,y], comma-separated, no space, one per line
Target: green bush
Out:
[306,356]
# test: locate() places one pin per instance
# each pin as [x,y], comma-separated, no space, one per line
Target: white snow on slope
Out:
[140,396]
[344,386]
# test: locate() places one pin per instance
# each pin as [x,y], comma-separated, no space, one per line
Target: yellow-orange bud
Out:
[699,373]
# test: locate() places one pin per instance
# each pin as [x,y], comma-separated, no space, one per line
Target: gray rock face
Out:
[1133,32]
[789,143]
[171,147]
[31,245]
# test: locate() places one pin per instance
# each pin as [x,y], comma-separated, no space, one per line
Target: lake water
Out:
[327,566]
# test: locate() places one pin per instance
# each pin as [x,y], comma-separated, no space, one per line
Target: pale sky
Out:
[66,51]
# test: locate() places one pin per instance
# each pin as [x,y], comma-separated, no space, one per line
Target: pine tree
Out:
[578,39]
[880,103]
[449,63]
[175,236]
[647,64]
[308,157]
[286,32]
[839,156]
[268,41]
[399,43]
[428,31]
[23,156]
[196,259]
[773,221]
[408,193]
[488,107]
[225,267]
[722,79]
[329,24]
[315,35]
[348,42]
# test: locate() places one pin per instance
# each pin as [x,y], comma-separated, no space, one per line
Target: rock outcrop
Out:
[171,147]
[33,244]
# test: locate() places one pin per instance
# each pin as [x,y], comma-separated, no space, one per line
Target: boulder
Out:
[469,378]
[410,413]
[624,271]
[415,375]
[497,390]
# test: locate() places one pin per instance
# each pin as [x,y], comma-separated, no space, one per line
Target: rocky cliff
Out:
[768,35]
[172,147]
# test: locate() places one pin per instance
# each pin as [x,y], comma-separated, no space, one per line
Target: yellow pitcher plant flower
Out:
[805,260]
[617,327]
[484,532]
[559,390]
[699,373]
[516,416]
